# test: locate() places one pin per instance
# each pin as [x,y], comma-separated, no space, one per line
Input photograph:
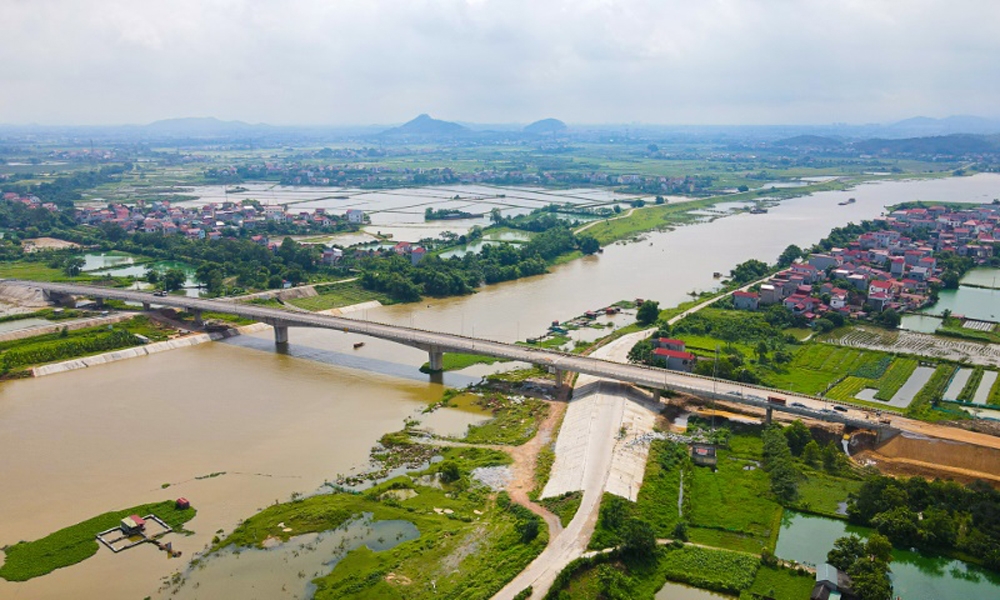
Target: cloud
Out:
[379,61]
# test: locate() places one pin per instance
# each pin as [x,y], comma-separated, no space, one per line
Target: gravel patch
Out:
[495,478]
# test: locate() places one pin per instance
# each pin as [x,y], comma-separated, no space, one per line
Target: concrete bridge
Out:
[436,344]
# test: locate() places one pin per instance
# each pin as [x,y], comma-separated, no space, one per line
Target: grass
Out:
[822,493]
[456,361]
[780,583]
[564,506]
[731,500]
[543,468]
[53,347]
[338,295]
[74,544]
[994,397]
[815,366]
[457,555]
[894,373]
[656,502]
[514,422]
[932,392]
[969,391]
[718,570]
[37,271]
[552,342]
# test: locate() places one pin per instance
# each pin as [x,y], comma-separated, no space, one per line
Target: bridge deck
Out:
[651,377]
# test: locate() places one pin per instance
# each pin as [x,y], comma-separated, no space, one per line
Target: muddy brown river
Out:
[79,444]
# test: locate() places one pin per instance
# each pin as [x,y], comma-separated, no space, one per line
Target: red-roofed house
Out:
[675,360]
[745,300]
[669,344]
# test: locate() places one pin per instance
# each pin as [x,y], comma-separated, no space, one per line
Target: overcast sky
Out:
[495,61]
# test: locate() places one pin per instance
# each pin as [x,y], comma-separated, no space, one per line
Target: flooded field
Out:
[285,569]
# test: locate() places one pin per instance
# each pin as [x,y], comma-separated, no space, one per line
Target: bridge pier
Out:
[280,334]
[435,360]
[657,395]
[767,417]
[560,378]
[146,306]
[99,302]
[196,312]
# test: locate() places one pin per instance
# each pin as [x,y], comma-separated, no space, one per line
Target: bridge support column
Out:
[435,360]
[146,306]
[657,395]
[560,379]
[767,417]
[197,317]
[99,302]
[280,334]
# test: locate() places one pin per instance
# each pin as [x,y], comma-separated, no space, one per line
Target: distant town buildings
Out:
[893,268]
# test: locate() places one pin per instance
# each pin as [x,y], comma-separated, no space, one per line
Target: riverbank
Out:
[146,350]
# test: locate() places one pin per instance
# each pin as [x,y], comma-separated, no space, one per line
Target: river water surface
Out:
[81,443]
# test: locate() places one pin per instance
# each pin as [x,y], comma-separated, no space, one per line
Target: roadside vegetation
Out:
[27,560]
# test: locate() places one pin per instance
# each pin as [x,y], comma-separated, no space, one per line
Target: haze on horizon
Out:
[586,61]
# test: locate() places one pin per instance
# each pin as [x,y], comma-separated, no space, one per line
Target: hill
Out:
[425,125]
[810,141]
[950,145]
[199,126]
[546,126]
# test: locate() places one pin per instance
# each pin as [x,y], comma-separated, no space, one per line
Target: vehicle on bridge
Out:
[776,400]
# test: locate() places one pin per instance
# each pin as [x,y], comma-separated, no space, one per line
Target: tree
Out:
[789,255]
[660,200]
[588,244]
[949,280]
[797,435]
[618,209]
[641,353]
[639,539]
[871,580]
[174,279]
[811,454]
[450,471]
[648,313]
[743,188]
[889,319]
[73,265]
[845,552]
[831,458]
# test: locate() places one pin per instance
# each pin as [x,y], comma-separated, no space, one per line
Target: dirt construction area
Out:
[911,455]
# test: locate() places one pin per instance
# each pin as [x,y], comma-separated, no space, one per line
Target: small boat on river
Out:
[358,345]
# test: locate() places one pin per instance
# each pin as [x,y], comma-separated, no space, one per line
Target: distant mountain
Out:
[546,126]
[200,126]
[426,126]
[951,145]
[926,126]
[810,141]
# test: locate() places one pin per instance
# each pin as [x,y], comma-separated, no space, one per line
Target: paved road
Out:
[584,455]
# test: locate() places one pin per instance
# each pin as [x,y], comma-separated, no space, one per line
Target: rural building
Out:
[675,360]
[831,582]
[133,525]
[355,216]
[703,455]
[669,344]
[183,503]
[745,300]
